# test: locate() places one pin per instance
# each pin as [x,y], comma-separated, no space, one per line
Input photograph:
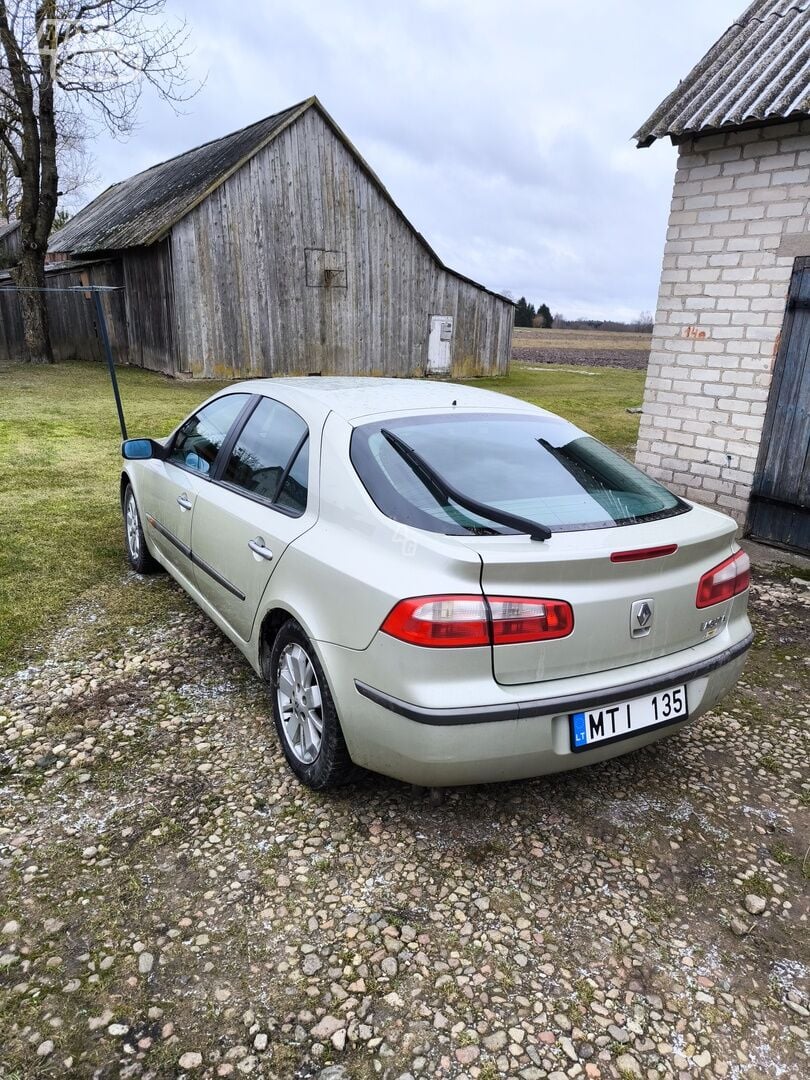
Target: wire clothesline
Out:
[66,288]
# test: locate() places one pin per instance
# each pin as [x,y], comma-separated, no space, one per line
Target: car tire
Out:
[134,540]
[302,703]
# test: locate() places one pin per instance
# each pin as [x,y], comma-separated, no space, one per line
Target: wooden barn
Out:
[274,250]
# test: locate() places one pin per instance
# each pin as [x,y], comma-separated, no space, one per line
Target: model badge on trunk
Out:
[641,617]
[712,626]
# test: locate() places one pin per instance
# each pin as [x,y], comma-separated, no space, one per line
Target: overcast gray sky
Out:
[501,128]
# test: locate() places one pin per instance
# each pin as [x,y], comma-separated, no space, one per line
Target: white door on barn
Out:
[439,342]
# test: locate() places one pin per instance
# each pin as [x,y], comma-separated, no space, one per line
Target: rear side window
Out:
[293,493]
[198,441]
[270,459]
[538,468]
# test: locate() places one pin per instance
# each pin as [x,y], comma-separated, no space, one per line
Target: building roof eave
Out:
[757,72]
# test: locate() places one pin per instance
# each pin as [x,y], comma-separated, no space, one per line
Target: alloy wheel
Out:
[133,528]
[299,702]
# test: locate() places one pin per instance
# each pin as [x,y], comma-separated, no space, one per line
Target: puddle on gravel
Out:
[208,691]
[769,816]
[89,815]
[760,1060]
[629,813]
[791,976]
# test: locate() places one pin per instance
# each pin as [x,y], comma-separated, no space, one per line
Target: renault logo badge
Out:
[641,617]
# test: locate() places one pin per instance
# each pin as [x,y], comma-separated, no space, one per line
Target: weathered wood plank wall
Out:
[10,240]
[12,344]
[149,301]
[244,304]
[74,335]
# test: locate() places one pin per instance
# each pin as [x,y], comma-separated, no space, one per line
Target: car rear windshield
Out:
[541,469]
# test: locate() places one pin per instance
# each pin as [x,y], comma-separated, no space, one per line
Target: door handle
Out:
[183,502]
[258,548]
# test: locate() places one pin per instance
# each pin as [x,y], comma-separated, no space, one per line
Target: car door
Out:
[257,504]
[171,486]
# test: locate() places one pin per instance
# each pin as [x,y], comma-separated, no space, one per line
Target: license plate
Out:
[627,718]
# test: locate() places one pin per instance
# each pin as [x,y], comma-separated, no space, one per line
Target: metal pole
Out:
[105,340]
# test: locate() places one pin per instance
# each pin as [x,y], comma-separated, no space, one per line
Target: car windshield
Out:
[540,468]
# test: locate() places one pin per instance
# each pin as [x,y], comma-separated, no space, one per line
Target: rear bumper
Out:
[566,704]
[511,739]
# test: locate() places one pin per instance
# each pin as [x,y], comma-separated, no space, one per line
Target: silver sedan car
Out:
[438,583]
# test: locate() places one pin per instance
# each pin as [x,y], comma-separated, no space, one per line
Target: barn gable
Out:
[323,274]
[143,209]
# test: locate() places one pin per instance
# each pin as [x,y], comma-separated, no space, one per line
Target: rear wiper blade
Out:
[438,485]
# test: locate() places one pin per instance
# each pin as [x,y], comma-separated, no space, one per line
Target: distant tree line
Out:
[540,317]
[642,325]
[527,314]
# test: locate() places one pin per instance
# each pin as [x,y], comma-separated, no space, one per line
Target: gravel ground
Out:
[632,359]
[173,904]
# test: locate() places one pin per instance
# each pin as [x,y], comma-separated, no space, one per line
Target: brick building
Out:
[726,417]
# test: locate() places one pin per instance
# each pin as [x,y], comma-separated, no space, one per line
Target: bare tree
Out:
[85,59]
[9,173]
[73,160]
[9,187]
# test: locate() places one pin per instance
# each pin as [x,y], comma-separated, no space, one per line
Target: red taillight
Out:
[439,621]
[517,618]
[462,621]
[644,553]
[730,577]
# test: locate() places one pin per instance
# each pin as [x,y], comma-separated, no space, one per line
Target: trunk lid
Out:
[576,566]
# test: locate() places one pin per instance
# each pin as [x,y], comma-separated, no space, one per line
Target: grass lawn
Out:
[595,399]
[60,523]
[60,520]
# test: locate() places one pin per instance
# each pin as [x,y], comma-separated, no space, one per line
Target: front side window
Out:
[270,457]
[539,468]
[198,441]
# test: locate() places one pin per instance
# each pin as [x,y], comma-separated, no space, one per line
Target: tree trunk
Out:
[38,178]
[30,274]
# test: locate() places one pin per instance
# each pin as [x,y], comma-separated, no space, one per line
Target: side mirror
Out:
[141,449]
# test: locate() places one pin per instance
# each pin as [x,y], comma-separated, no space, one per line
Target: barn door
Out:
[780,499]
[439,342]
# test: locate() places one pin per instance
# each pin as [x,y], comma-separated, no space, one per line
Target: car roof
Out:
[356,397]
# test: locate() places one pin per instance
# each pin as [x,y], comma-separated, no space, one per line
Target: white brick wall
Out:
[720,309]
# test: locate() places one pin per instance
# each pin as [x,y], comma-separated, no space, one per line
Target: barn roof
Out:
[142,210]
[7,228]
[758,72]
